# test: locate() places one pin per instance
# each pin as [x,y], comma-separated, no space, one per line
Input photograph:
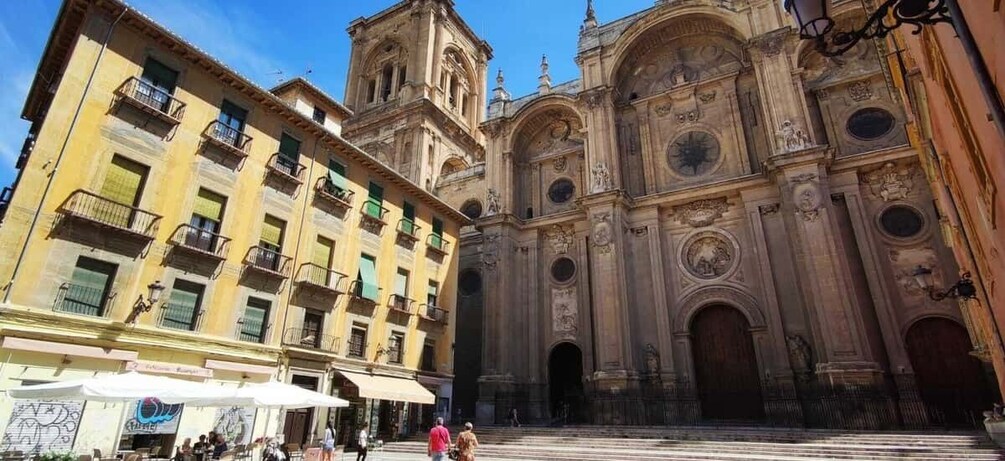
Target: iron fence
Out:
[82,300]
[152,97]
[99,210]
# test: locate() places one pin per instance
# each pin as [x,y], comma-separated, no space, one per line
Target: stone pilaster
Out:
[783,106]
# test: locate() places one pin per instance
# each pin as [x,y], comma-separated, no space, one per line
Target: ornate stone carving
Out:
[564,313]
[890,182]
[560,238]
[706,98]
[601,178]
[806,196]
[559,164]
[663,110]
[602,232]
[594,99]
[800,357]
[689,116]
[701,213]
[860,91]
[493,129]
[823,94]
[640,231]
[708,255]
[493,202]
[490,252]
[768,209]
[652,360]
[792,138]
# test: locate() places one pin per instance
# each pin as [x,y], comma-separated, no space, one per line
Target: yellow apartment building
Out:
[172,217]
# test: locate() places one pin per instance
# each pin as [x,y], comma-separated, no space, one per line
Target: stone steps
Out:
[704,443]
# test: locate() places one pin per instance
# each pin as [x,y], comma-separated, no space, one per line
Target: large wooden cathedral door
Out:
[725,365]
[951,381]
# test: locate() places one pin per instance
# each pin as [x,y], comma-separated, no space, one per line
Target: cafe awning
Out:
[388,388]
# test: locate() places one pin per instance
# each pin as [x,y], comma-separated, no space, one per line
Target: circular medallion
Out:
[708,255]
[693,153]
[563,270]
[870,123]
[901,221]
[561,191]
[472,209]
[469,282]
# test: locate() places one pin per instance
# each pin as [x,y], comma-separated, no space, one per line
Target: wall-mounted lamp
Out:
[963,288]
[154,291]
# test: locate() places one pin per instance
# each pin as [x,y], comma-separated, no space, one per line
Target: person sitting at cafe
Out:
[220,447]
[200,447]
[184,450]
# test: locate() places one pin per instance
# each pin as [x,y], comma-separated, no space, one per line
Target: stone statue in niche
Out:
[792,138]
[799,354]
[652,360]
[708,256]
[601,178]
[493,202]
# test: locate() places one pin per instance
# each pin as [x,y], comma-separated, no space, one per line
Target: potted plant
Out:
[57,456]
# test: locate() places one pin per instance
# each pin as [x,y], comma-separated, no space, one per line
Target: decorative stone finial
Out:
[591,16]
[544,81]
[499,93]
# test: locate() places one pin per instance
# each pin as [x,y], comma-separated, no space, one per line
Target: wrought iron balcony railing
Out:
[286,168]
[83,300]
[268,262]
[328,191]
[433,313]
[308,338]
[408,229]
[152,100]
[180,317]
[313,275]
[374,211]
[228,138]
[437,243]
[201,241]
[358,291]
[402,304]
[252,331]
[107,213]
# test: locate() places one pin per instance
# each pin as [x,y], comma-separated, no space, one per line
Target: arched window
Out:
[386,83]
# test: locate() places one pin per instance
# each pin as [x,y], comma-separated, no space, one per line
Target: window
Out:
[472,209]
[357,340]
[436,238]
[402,73]
[395,346]
[336,184]
[371,91]
[375,201]
[123,185]
[289,155]
[563,269]
[319,115]
[254,324]
[207,213]
[311,333]
[157,85]
[408,214]
[321,258]
[401,290]
[366,278]
[428,357]
[431,297]
[184,307]
[272,242]
[901,221]
[87,292]
[870,123]
[453,91]
[464,105]
[231,124]
[386,83]
[561,191]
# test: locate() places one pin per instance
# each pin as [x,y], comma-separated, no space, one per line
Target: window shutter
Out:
[272,231]
[183,305]
[123,181]
[159,75]
[408,212]
[375,201]
[401,284]
[323,252]
[336,174]
[209,205]
[89,286]
[289,147]
[368,277]
[433,288]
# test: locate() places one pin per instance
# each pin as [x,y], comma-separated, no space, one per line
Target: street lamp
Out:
[816,22]
[154,291]
[963,288]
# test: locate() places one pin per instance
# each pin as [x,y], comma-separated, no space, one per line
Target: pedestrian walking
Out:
[361,445]
[514,419]
[328,443]
[466,443]
[439,441]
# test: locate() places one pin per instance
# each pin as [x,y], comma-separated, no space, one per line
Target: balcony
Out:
[433,314]
[327,191]
[310,339]
[268,262]
[436,244]
[286,169]
[408,230]
[5,197]
[356,291]
[95,209]
[177,317]
[228,139]
[200,242]
[82,300]
[252,331]
[314,276]
[402,304]
[372,217]
[152,100]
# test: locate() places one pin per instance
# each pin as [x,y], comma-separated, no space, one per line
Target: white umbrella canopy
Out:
[272,394]
[123,387]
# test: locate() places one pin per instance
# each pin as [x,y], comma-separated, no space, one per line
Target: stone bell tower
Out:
[417,87]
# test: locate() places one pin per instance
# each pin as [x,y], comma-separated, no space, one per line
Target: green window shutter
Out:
[255,316]
[368,277]
[323,252]
[183,305]
[209,205]
[159,75]
[437,236]
[434,289]
[123,181]
[289,147]
[272,231]
[89,287]
[401,283]
[408,212]
[375,201]
[336,174]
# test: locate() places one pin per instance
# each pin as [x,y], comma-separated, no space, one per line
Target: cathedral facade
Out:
[713,222]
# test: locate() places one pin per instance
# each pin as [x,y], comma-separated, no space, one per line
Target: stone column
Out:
[843,355]
[664,329]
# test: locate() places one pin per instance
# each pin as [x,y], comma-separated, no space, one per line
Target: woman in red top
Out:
[439,441]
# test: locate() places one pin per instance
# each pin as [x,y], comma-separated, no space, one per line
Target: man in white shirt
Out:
[361,452]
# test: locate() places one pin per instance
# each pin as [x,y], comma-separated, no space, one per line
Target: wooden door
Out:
[297,424]
[951,381]
[725,365]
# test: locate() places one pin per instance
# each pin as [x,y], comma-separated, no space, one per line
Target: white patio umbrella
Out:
[272,394]
[125,387]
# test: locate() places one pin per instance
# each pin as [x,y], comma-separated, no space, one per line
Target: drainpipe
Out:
[59,158]
[984,80]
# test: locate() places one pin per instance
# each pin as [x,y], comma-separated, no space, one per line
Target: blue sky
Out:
[261,38]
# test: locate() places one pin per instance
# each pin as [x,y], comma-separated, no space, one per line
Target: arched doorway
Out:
[725,365]
[565,380]
[950,380]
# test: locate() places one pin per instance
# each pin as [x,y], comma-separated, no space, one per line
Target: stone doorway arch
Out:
[725,365]
[565,381]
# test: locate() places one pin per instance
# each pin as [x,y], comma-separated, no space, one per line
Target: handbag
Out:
[454,453]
